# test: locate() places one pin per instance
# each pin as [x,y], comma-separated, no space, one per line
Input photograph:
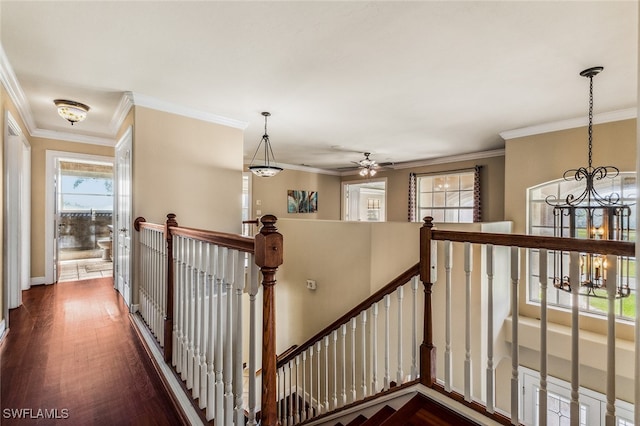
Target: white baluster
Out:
[326,373]
[343,365]
[364,354]
[334,397]
[468,266]
[279,377]
[574,279]
[612,280]
[204,321]
[253,337]
[212,253]
[489,372]
[304,386]
[319,401]
[219,359]
[296,418]
[311,412]
[400,374]
[542,394]
[185,308]
[414,328]
[238,286]
[374,348]
[515,282]
[387,344]
[353,359]
[175,336]
[290,396]
[448,364]
[191,310]
[197,245]
[232,259]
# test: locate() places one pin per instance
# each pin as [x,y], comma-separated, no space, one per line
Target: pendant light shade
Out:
[269,167]
[72,111]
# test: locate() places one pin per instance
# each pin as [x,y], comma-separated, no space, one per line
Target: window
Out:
[447,197]
[85,186]
[541,220]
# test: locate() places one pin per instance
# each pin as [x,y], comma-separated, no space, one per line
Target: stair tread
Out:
[422,411]
[358,421]
[379,417]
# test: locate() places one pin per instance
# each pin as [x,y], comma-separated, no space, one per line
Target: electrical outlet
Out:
[311,284]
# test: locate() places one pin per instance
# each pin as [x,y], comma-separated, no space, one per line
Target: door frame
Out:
[127,292]
[52,158]
[17,217]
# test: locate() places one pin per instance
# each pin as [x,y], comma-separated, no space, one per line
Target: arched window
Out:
[540,221]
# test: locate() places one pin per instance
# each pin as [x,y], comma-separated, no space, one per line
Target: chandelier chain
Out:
[590,118]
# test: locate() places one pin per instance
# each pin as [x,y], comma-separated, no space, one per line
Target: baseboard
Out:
[165,372]
[38,281]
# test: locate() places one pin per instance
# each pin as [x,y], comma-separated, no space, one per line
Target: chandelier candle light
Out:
[269,166]
[72,111]
[589,214]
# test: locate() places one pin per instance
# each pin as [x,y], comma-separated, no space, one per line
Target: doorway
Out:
[84,220]
[364,201]
[78,212]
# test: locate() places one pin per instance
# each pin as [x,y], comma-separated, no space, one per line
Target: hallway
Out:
[73,355]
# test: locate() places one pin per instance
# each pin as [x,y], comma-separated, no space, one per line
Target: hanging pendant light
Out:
[269,166]
[586,213]
[72,111]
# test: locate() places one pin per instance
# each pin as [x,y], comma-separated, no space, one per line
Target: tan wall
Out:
[188,167]
[272,194]
[39,147]
[491,186]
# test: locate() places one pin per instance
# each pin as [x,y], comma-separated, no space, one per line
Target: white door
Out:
[123,223]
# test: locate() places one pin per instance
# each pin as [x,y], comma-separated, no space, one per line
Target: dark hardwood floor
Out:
[72,354]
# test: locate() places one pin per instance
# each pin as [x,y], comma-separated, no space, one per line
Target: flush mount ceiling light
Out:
[269,166]
[72,111]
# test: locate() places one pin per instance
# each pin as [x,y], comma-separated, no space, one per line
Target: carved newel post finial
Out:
[268,256]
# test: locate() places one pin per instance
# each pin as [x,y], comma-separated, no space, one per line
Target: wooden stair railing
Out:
[513,242]
[191,282]
[307,390]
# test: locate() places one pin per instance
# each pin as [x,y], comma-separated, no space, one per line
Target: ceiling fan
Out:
[367,166]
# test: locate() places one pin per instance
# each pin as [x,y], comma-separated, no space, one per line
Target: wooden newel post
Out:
[168,319]
[427,350]
[268,256]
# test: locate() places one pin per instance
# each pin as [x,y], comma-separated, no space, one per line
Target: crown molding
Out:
[72,137]
[309,169]
[572,123]
[121,112]
[450,159]
[10,82]
[160,105]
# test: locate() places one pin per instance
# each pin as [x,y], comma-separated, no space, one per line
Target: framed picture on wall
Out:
[302,201]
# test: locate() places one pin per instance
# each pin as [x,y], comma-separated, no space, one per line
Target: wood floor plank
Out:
[72,351]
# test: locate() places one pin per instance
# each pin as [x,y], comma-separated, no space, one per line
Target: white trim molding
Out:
[3,329]
[10,82]
[120,114]
[572,123]
[441,160]
[160,105]
[38,281]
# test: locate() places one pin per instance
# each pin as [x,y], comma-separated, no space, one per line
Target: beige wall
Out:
[272,194]
[39,147]
[537,159]
[491,186]
[188,167]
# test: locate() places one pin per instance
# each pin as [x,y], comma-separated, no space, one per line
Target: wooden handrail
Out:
[375,297]
[619,248]
[232,241]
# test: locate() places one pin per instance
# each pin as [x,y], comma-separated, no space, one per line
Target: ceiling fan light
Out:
[372,172]
[72,111]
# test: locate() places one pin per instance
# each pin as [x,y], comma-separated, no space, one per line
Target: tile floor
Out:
[84,269]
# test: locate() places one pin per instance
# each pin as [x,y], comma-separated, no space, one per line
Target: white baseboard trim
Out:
[38,281]
[176,388]
[135,308]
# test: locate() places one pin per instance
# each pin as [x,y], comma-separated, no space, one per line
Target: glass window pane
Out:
[439,183]
[466,181]
[466,198]
[453,199]
[451,215]
[426,200]
[466,216]
[438,215]
[438,199]
[452,182]
[425,184]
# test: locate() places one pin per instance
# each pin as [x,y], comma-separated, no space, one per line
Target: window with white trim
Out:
[540,221]
[447,197]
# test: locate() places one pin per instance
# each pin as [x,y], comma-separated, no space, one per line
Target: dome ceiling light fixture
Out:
[72,111]
[269,166]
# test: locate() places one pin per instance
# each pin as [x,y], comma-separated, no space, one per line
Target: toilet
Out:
[105,244]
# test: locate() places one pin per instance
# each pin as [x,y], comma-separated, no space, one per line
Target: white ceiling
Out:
[403,80]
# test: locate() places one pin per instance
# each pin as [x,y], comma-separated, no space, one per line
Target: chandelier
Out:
[588,213]
[72,111]
[269,166]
